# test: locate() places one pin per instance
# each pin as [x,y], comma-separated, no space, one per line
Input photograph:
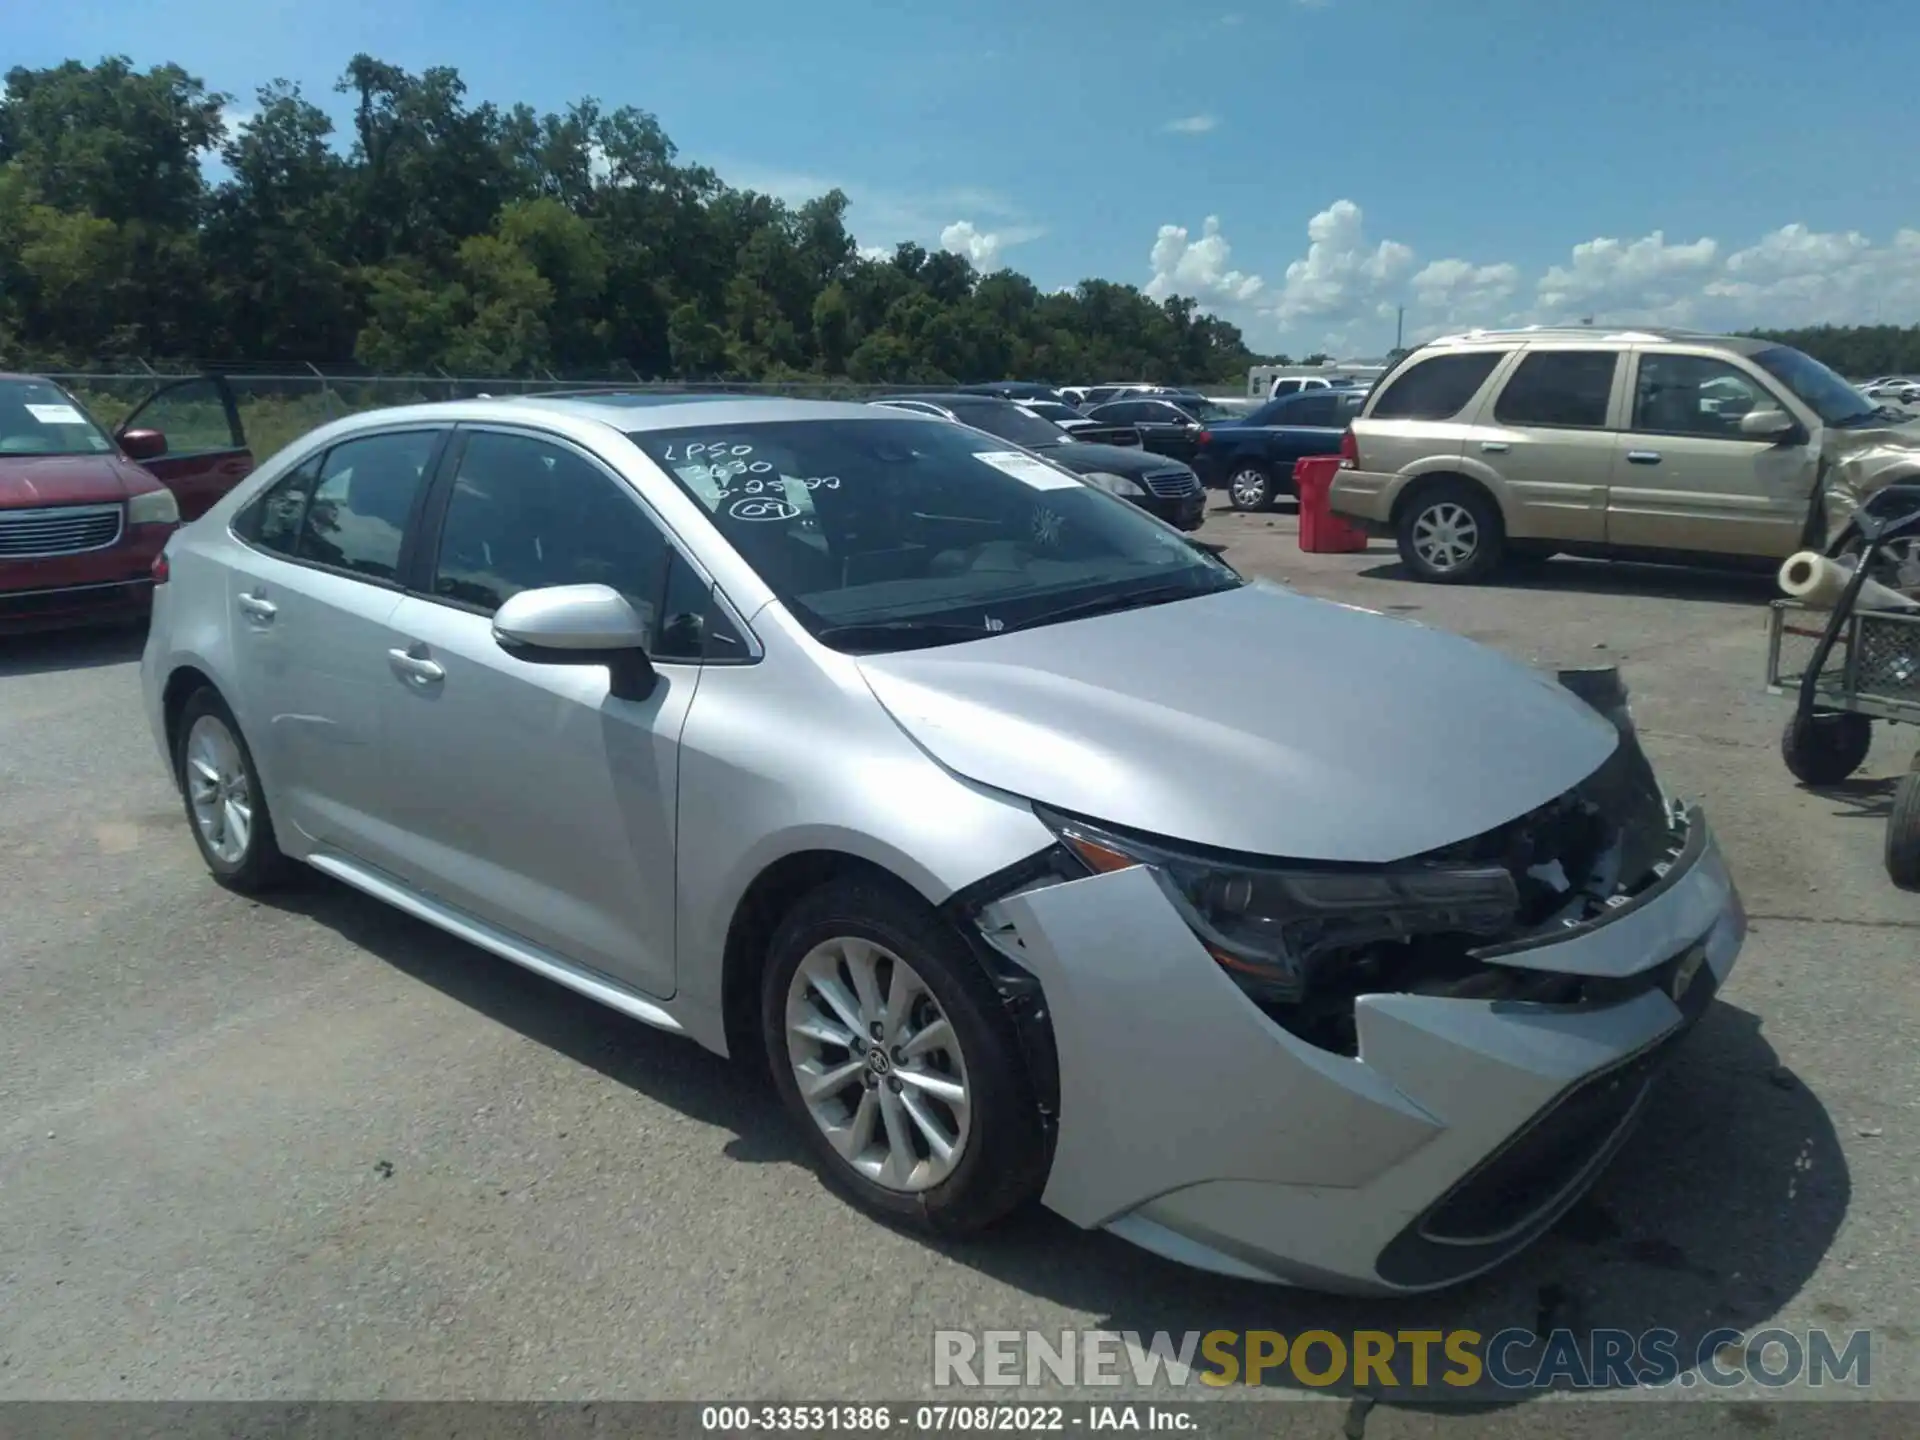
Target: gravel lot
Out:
[313,1148]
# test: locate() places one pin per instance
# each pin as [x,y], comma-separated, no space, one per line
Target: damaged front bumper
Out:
[1192,1123]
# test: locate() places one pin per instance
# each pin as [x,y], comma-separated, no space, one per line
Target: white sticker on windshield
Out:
[56,415]
[1026,469]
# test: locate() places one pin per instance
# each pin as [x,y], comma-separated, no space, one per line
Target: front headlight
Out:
[1271,926]
[1115,484]
[155,507]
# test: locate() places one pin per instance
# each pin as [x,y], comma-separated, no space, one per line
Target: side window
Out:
[1437,388]
[357,517]
[275,519]
[1284,387]
[192,414]
[526,513]
[1694,395]
[1559,387]
[1350,406]
[1316,409]
[693,627]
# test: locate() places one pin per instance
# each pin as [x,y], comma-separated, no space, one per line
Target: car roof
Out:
[950,398]
[1602,335]
[627,412]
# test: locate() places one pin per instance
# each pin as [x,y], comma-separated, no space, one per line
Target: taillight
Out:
[1349,449]
[1205,437]
[160,570]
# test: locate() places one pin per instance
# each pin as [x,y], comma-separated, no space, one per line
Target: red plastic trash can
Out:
[1321,531]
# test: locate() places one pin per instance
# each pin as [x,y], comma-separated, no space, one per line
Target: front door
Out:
[1685,478]
[530,796]
[310,599]
[206,452]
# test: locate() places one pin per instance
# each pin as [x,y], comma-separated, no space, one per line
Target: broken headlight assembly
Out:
[1274,927]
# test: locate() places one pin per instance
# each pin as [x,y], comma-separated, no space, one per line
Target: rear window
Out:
[1436,389]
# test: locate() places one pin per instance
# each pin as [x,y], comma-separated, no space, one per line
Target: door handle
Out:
[1643,457]
[1495,447]
[258,607]
[415,669]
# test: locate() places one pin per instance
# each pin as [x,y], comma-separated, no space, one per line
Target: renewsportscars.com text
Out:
[1458,1360]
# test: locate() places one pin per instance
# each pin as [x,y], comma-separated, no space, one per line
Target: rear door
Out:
[1547,435]
[1685,478]
[310,598]
[206,446]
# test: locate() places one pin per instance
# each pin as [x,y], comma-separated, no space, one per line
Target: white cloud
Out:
[1645,281]
[1199,268]
[1341,276]
[1192,125]
[1344,293]
[963,238]
[879,216]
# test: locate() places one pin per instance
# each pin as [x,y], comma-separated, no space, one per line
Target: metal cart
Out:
[1851,667]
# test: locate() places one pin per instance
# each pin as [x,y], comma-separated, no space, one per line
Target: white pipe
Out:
[1817,580]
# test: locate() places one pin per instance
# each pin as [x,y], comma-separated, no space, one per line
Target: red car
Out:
[84,513]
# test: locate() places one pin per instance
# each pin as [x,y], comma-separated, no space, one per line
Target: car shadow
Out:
[1718,1211]
[42,652]
[1870,799]
[1616,577]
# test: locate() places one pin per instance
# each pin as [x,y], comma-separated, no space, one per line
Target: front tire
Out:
[1251,487]
[898,1062]
[1450,533]
[226,807]
[1825,749]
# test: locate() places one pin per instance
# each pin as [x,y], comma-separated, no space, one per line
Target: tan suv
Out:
[1657,444]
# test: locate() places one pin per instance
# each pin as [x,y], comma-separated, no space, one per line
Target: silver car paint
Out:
[1304,1159]
[1294,1164]
[1336,734]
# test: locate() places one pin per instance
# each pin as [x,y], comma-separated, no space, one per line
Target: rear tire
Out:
[1903,832]
[1450,533]
[1825,749]
[226,807]
[946,1069]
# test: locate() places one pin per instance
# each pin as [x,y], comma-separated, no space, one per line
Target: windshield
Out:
[1825,393]
[1010,422]
[39,418]
[933,531]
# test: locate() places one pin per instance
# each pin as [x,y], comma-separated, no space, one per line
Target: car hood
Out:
[28,481]
[1253,720]
[1088,459]
[1858,463]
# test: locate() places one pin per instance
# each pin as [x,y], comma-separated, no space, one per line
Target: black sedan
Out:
[1170,425]
[1157,485]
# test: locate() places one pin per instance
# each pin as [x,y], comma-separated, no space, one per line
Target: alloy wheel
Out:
[878,1064]
[1446,536]
[219,790]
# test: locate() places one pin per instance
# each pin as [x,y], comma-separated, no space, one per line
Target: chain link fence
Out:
[275,409]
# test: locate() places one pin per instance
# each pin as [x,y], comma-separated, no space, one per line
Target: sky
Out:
[1305,168]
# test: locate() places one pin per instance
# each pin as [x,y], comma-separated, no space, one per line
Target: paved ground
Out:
[313,1148]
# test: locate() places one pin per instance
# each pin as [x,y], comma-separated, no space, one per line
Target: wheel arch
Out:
[182,682]
[1418,485]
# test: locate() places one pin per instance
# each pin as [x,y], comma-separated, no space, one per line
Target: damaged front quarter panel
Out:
[1858,464]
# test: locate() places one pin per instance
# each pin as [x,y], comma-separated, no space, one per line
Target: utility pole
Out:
[1400,327]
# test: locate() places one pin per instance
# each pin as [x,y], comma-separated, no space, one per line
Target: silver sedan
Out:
[1039,854]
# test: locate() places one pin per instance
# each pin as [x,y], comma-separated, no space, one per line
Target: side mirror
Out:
[579,625]
[1767,424]
[143,444]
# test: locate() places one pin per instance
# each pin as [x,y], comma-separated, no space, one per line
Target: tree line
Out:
[443,234]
